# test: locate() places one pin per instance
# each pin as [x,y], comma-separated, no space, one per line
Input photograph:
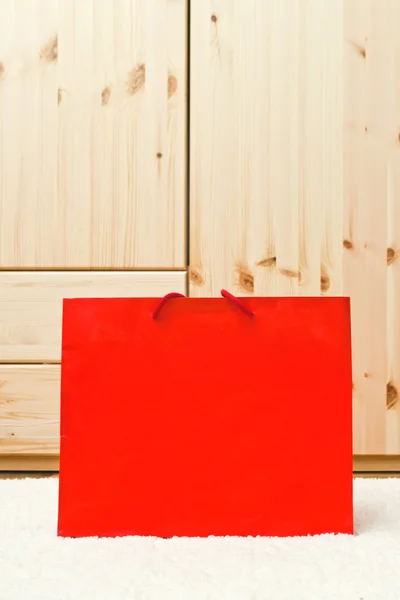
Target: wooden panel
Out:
[392,90]
[266,147]
[31,305]
[28,463]
[376,464]
[295,171]
[372,475]
[92,133]
[29,409]
[371,231]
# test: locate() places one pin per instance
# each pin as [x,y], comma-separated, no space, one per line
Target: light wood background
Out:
[266,146]
[295,171]
[30,332]
[31,305]
[30,410]
[294,175]
[92,133]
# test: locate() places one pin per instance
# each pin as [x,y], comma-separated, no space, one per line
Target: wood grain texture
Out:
[92,133]
[393,231]
[266,147]
[31,305]
[295,172]
[371,233]
[376,463]
[28,463]
[29,409]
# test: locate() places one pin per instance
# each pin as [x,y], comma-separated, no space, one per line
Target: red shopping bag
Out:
[206,416]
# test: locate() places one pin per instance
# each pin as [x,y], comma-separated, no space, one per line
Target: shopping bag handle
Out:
[224,293]
[245,309]
[161,303]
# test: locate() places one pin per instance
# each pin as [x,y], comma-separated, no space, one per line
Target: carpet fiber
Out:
[35,564]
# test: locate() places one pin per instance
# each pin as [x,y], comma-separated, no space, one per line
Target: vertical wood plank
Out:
[176,149]
[393,300]
[213,145]
[28,109]
[371,134]
[76,103]
[10,124]
[48,206]
[321,147]
[393,234]
[104,135]
[277,272]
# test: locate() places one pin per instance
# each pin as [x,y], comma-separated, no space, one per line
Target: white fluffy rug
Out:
[35,564]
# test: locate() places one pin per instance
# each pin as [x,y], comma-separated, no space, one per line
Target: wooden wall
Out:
[266,146]
[93,101]
[372,211]
[92,133]
[30,347]
[295,171]
[294,174]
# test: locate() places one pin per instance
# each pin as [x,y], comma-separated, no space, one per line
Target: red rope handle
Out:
[224,293]
[161,303]
[238,303]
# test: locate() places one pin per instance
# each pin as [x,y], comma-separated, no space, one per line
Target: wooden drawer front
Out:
[29,409]
[92,133]
[31,305]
